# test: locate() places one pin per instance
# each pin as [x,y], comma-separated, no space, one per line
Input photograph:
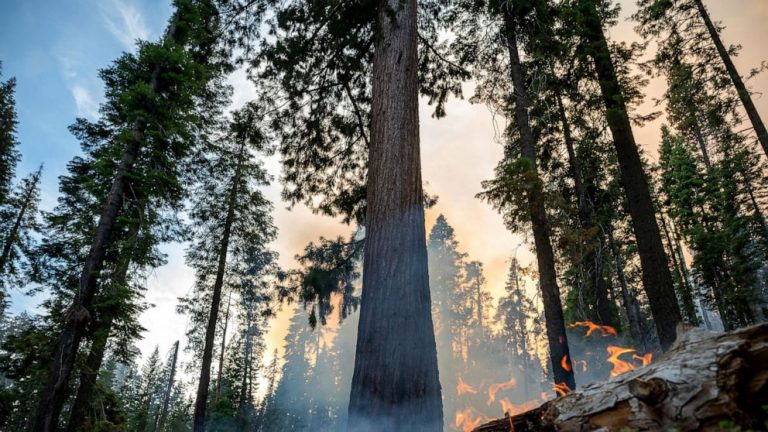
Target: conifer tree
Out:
[20,223]
[657,279]
[230,239]
[519,176]
[9,155]
[689,22]
[160,89]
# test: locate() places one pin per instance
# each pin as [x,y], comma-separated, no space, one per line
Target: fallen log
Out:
[705,382]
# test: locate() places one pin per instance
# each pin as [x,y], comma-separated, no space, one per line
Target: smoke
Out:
[492,355]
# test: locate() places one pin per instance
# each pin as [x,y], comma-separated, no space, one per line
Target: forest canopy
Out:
[365,215]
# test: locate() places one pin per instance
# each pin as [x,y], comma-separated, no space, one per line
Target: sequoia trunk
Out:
[395,385]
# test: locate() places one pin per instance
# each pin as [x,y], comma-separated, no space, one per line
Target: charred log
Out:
[706,382]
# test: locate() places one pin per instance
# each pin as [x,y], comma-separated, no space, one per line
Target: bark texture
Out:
[657,279]
[705,379]
[545,256]
[733,73]
[395,385]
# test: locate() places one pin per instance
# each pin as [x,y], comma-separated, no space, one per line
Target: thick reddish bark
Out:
[545,256]
[657,279]
[395,385]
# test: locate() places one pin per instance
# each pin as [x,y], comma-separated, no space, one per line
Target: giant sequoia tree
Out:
[327,66]
[395,384]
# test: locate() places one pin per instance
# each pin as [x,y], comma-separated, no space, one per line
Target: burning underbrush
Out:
[597,353]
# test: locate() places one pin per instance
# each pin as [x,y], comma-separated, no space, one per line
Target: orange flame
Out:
[583,364]
[605,330]
[565,364]
[562,389]
[495,388]
[645,359]
[468,419]
[619,366]
[463,388]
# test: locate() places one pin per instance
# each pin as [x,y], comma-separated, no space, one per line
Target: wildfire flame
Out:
[565,364]
[645,359]
[468,419]
[620,366]
[562,389]
[604,330]
[463,388]
[495,388]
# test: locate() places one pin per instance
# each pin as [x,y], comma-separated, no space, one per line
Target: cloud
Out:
[124,21]
[85,104]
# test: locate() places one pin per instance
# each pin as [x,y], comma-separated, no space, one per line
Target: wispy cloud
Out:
[124,21]
[84,102]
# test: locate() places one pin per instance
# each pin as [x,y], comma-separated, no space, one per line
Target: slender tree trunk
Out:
[204,381]
[685,291]
[550,292]
[657,279]
[79,414]
[245,394]
[219,373]
[168,389]
[395,385]
[598,285]
[733,73]
[523,331]
[630,302]
[479,295]
[13,234]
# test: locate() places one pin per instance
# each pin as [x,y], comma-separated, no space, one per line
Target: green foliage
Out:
[9,155]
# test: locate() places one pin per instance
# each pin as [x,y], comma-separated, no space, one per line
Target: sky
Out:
[55,49]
